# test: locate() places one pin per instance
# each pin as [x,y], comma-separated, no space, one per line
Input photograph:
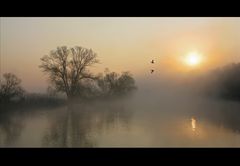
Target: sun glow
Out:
[193,58]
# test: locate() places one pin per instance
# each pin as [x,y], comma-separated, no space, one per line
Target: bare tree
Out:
[113,84]
[67,67]
[10,87]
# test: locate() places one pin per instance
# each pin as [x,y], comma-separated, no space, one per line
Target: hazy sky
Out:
[122,44]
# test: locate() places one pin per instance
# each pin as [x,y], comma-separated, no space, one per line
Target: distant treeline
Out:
[225,82]
[32,100]
[107,86]
[12,95]
[111,85]
[67,70]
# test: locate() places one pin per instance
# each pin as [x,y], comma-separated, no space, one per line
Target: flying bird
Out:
[152,61]
[152,71]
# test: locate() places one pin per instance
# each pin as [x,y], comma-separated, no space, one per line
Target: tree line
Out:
[225,82]
[68,72]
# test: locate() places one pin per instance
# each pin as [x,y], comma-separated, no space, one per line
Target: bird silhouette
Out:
[152,61]
[152,71]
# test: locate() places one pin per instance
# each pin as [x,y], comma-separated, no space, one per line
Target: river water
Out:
[126,123]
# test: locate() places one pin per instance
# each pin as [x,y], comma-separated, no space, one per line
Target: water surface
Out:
[129,123]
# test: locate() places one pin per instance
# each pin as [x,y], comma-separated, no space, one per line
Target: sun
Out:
[193,58]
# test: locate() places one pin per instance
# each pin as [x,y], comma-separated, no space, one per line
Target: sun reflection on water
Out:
[193,123]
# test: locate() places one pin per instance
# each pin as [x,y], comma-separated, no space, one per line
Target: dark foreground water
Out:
[169,122]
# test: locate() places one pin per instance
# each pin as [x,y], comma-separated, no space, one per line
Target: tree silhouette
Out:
[225,82]
[10,87]
[67,67]
[113,84]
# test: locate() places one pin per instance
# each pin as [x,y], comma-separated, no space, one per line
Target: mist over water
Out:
[161,113]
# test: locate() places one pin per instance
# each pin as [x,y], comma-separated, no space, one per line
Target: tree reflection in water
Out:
[11,125]
[77,125]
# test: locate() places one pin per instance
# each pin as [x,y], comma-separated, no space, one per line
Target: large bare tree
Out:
[67,67]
